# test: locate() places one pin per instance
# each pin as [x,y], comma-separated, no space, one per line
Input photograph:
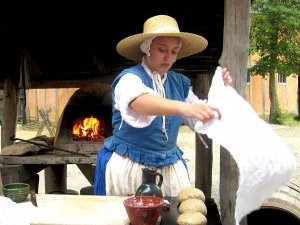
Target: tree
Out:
[275,37]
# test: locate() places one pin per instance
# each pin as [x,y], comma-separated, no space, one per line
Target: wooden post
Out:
[234,57]
[88,171]
[56,179]
[1,184]
[9,116]
[204,156]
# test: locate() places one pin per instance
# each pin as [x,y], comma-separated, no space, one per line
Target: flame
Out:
[89,128]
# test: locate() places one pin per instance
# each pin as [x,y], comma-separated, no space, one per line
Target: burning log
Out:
[89,128]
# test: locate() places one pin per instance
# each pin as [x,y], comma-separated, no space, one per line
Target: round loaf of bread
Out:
[193,204]
[191,218]
[190,192]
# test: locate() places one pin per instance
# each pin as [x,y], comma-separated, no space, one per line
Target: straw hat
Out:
[161,25]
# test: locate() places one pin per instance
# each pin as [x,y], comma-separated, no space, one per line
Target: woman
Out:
[150,103]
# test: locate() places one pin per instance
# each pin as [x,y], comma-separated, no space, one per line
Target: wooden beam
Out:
[9,116]
[45,84]
[234,56]
[47,159]
[203,155]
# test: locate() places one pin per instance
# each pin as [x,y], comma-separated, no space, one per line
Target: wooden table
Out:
[76,209]
[96,210]
[25,169]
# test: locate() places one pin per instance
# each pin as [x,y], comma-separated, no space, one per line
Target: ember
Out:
[89,129]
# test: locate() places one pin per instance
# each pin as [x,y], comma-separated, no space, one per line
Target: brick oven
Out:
[86,120]
[88,113]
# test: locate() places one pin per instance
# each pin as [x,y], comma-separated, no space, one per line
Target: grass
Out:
[287,119]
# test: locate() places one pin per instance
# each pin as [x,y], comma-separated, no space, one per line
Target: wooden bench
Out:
[26,169]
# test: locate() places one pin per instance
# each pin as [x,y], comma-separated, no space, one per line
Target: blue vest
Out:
[150,146]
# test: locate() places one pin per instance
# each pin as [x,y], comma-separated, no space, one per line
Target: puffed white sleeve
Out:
[192,98]
[127,89]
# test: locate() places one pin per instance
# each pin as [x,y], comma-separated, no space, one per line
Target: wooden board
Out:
[47,159]
[76,210]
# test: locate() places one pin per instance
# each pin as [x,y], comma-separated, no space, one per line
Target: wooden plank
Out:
[47,159]
[76,209]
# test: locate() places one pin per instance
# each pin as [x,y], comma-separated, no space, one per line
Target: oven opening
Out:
[86,120]
[89,129]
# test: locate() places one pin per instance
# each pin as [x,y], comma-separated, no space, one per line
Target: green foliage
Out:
[288,119]
[285,118]
[275,36]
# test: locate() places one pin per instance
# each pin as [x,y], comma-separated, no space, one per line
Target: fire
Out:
[89,129]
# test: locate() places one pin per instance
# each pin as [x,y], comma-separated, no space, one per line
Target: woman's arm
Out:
[148,104]
[144,105]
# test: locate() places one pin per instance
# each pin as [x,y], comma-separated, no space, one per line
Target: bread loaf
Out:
[189,193]
[193,204]
[191,218]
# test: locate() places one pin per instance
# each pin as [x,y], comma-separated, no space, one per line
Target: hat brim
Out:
[190,44]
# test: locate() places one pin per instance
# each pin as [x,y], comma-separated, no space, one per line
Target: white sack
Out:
[265,162]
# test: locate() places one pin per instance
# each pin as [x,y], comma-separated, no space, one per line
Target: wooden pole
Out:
[203,155]
[9,122]
[234,57]
[56,179]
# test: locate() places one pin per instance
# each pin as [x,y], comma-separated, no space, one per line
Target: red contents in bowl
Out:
[143,210]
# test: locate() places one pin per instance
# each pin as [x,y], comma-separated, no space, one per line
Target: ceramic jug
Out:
[150,186]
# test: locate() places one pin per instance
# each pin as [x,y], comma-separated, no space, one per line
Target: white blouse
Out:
[131,86]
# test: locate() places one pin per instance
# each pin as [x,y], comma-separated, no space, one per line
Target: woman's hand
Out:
[226,76]
[200,111]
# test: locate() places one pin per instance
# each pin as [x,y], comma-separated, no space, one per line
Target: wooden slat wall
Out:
[54,99]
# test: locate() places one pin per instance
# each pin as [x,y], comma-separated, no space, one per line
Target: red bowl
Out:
[143,209]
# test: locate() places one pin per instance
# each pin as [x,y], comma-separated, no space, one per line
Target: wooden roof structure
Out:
[75,44]
[51,46]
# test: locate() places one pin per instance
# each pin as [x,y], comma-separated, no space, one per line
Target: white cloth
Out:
[145,46]
[265,162]
[10,214]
